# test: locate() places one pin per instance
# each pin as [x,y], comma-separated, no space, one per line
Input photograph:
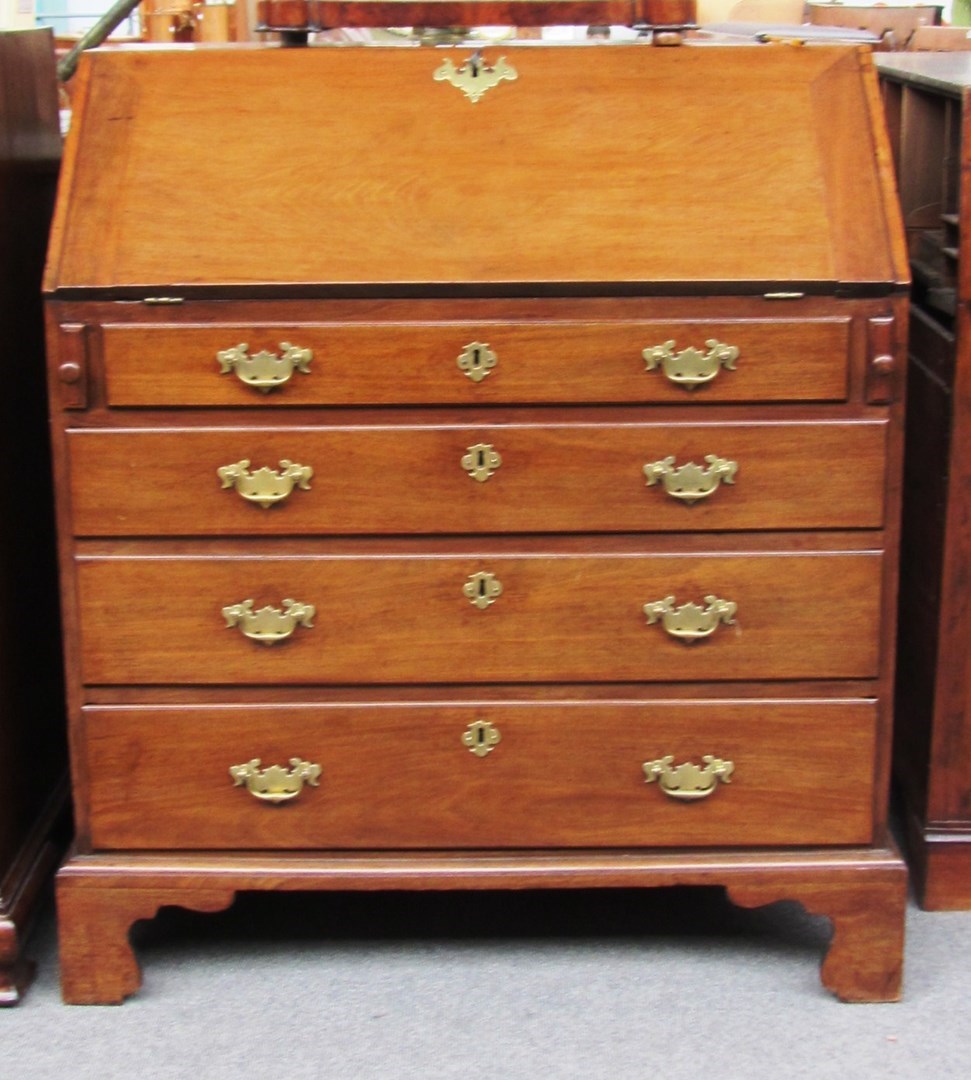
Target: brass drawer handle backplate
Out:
[688,782]
[690,367]
[275,784]
[264,371]
[690,622]
[475,77]
[477,360]
[689,483]
[269,625]
[265,486]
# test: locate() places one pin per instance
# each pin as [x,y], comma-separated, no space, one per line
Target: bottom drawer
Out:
[482,775]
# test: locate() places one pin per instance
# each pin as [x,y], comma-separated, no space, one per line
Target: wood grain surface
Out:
[538,360]
[583,173]
[560,618]
[565,477]
[564,775]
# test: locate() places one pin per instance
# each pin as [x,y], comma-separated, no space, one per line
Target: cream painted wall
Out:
[16,14]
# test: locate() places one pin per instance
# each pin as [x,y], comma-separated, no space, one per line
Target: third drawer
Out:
[535,616]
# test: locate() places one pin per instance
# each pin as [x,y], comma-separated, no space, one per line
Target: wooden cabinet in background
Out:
[33,749]
[929,116]
[496,490]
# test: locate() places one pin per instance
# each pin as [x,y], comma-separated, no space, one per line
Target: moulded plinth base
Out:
[863,893]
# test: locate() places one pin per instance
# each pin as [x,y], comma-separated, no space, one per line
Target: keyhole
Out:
[475,359]
[482,459]
[480,737]
[482,588]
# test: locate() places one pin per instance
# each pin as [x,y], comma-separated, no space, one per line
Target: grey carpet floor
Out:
[674,983]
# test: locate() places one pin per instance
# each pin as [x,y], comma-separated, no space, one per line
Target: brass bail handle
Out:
[269,625]
[690,368]
[265,487]
[275,784]
[264,371]
[688,782]
[691,622]
[690,483]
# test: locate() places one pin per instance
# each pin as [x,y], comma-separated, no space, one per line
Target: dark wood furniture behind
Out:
[468,490]
[928,112]
[33,754]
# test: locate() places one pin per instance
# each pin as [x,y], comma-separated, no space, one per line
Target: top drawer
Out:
[476,362]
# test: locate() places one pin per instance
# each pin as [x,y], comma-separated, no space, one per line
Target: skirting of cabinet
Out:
[22,890]
[862,892]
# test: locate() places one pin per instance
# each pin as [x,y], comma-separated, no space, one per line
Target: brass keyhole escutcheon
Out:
[477,360]
[481,461]
[482,589]
[481,737]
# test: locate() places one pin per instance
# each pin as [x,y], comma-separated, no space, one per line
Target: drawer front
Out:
[477,362]
[561,774]
[579,477]
[477,618]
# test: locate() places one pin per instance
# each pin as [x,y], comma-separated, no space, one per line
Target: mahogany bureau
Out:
[478,470]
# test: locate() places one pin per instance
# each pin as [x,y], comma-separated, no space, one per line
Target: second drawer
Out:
[575,477]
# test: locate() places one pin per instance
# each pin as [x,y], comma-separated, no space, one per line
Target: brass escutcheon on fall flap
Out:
[690,367]
[688,782]
[269,625]
[475,76]
[690,482]
[476,360]
[275,784]
[264,371]
[691,622]
[265,486]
